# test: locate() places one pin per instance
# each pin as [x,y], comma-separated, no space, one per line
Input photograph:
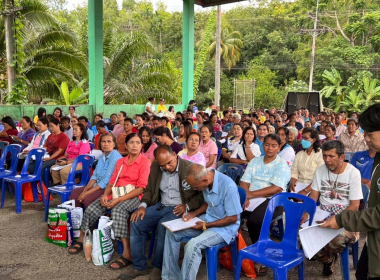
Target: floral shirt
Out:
[26,136]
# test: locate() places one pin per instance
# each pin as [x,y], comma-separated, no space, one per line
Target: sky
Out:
[173,5]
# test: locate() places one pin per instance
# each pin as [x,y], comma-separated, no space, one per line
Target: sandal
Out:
[261,271]
[77,249]
[121,262]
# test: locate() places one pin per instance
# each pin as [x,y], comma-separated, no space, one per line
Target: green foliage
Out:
[203,51]
[76,96]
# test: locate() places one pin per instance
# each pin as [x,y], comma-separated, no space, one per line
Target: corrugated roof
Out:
[209,3]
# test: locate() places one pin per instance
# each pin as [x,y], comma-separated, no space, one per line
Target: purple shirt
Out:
[26,136]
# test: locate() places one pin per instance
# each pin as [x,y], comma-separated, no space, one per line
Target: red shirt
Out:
[136,174]
[55,142]
[97,145]
[10,132]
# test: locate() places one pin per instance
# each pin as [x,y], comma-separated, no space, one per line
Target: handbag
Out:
[59,227]
[121,191]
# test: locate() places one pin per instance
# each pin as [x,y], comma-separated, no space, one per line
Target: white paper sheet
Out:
[320,215]
[222,141]
[300,186]
[59,167]
[254,203]
[179,224]
[314,238]
[224,134]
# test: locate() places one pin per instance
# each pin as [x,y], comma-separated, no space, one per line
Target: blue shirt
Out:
[260,175]
[105,167]
[364,163]
[261,145]
[223,201]
[90,134]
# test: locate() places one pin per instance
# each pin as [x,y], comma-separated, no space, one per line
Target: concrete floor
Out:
[24,254]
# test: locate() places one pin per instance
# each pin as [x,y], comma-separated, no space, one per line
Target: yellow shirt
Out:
[262,119]
[161,108]
[35,119]
[304,166]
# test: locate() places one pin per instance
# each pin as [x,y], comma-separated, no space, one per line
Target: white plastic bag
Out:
[102,247]
[87,245]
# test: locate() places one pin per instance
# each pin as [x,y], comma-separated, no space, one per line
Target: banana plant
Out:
[76,96]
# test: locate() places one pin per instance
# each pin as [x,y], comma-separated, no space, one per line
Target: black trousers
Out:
[362,269]
[255,219]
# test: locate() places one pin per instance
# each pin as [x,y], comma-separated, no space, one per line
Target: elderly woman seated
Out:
[352,140]
[102,173]
[192,153]
[122,195]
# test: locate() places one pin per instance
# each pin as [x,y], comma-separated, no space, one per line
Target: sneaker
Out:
[328,268]
[132,273]
[155,274]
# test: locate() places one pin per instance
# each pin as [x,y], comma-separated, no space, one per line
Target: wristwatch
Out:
[204,226]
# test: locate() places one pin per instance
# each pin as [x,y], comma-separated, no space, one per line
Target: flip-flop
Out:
[119,263]
[77,249]
[261,270]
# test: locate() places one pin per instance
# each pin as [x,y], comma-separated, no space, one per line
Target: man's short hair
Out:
[369,120]
[83,118]
[128,120]
[334,144]
[65,119]
[113,114]
[197,171]
[274,137]
[236,116]
[163,148]
[156,118]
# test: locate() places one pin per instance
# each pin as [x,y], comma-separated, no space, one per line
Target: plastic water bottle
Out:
[87,245]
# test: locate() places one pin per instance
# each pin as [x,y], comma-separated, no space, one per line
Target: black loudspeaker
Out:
[296,100]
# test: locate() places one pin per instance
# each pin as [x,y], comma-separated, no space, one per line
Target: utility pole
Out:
[314,32]
[217,55]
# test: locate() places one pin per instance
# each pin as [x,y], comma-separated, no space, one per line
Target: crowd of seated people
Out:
[172,176]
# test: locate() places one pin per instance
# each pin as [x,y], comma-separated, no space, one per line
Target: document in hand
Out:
[58,167]
[300,186]
[179,224]
[314,238]
[319,216]
[254,203]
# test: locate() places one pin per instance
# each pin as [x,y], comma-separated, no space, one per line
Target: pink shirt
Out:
[208,149]
[198,158]
[37,141]
[150,152]
[118,129]
[75,149]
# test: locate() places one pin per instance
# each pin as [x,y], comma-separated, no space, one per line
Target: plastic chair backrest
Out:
[349,156]
[293,213]
[14,150]
[38,154]
[107,120]
[218,135]
[92,146]
[232,170]
[3,144]
[86,161]
[365,191]
[243,196]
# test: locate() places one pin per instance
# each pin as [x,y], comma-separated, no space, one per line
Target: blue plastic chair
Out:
[344,256]
[218,135]
[3,144]
[283,256]
[212,253]
[92,146]
[14,150]
[65,190]
[152,238]
[25,177]
[232,170]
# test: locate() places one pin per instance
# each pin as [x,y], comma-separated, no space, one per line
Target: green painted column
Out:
[188,51]
[95,54]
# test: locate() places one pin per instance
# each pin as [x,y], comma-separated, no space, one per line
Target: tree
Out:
[335,87]
[231,45]
[371,92]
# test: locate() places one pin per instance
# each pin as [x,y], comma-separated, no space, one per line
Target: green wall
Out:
[16,112]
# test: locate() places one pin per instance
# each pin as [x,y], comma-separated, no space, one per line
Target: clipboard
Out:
[179,224]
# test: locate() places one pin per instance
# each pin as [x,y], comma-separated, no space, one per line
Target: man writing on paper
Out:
[264,177]
[220,224]
[367,220]
[337,185]
[166,197]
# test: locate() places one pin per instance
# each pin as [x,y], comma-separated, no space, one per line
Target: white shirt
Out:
[337,189]
[288,155]
[239,151]
[151,106]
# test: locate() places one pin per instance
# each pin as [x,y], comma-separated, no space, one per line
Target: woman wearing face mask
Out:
[306,161]
[247,150]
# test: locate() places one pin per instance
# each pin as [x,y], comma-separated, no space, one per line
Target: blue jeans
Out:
[152,220]
[193,252]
